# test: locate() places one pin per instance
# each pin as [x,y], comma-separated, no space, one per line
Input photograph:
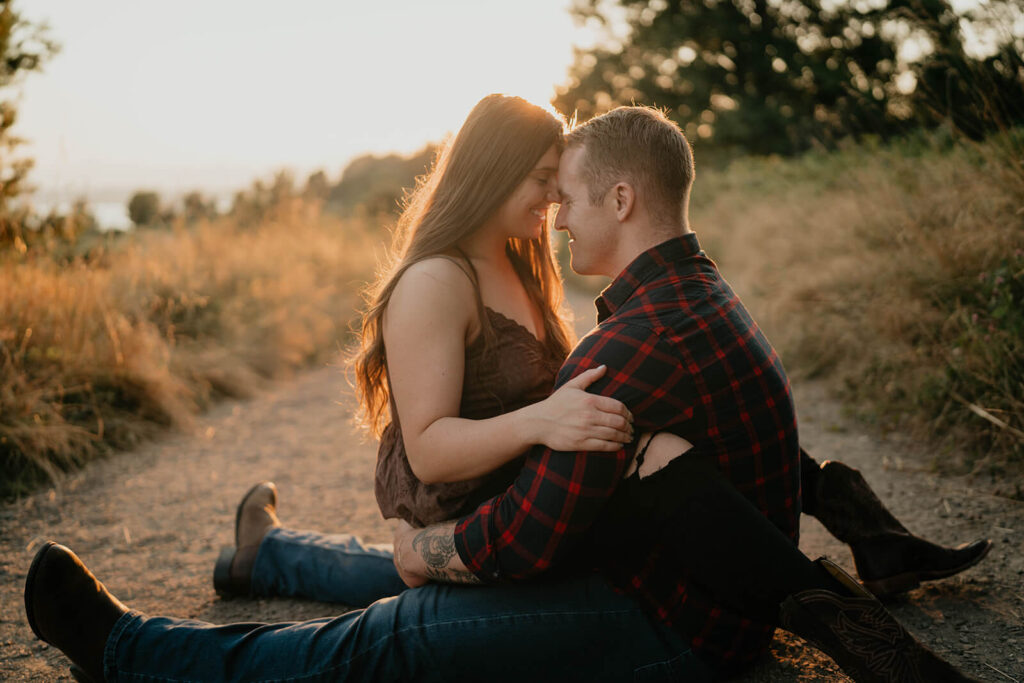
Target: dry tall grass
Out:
[899,272]
[97,353]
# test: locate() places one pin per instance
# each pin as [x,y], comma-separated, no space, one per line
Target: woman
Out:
[460,346]
[469,319]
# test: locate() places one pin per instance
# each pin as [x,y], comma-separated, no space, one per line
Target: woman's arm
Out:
[431,315]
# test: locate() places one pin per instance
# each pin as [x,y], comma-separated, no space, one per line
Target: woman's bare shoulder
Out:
[439,284]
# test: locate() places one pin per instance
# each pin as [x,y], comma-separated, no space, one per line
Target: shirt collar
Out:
[645,267]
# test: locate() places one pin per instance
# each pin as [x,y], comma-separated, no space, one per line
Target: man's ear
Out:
[624,197]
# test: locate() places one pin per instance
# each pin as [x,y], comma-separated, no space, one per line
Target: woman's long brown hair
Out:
[498,145]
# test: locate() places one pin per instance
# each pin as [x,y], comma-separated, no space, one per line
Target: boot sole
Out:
[30,580]
[900,583]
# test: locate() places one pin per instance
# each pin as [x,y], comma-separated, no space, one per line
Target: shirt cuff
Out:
[481,563]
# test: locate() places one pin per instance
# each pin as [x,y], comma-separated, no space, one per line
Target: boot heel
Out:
[892,585]
[222,581]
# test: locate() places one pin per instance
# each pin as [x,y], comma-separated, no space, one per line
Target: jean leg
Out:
[336,568]
[576,629]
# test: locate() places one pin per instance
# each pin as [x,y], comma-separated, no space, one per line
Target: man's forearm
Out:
[430,554]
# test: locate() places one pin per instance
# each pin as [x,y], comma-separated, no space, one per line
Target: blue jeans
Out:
[556,630]
[331,568]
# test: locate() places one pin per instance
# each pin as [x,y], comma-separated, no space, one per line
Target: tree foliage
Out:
[375,183]
[196,208]
[24,48]
[144,208]
[778,76]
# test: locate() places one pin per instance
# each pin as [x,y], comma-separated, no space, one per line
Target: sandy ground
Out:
[150,523]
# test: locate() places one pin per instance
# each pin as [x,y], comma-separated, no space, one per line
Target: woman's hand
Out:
[573,420]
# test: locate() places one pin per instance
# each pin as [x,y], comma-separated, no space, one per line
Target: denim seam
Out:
[129,618]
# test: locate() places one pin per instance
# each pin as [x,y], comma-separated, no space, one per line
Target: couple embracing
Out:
[639,522]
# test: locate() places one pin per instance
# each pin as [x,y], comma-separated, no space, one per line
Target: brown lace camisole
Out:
[517,370]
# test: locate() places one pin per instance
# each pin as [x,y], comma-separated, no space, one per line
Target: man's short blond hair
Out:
[641,146]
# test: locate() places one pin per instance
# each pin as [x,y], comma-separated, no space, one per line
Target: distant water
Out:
[111,215]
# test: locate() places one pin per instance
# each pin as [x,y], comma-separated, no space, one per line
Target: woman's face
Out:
[524,214]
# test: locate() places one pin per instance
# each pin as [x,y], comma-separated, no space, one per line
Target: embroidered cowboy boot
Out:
[852,627]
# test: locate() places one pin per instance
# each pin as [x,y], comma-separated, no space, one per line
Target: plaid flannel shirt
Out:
[684,355]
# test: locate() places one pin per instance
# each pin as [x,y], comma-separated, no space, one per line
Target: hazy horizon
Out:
[210,97]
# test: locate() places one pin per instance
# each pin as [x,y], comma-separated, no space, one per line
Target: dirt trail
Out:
[150,522]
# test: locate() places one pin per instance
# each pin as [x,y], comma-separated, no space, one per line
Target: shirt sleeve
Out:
[558,495]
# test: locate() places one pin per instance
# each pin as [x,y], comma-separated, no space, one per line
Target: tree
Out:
[376,183]
[24,48]
[198,208]
[768,76]
[317,187]
[973,95]
[144,208]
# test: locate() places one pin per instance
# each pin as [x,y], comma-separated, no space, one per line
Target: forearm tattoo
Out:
[437,547]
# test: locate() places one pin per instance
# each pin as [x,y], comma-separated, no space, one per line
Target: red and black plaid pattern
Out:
[684,355]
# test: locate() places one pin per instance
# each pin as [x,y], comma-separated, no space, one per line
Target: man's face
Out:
[594,231]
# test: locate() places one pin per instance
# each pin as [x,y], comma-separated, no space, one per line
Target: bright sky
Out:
[211,95]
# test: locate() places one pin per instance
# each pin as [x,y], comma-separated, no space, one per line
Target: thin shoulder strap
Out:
[471,273]
[474,277]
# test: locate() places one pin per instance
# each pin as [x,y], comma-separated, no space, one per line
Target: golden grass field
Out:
[97,352]
[895,271]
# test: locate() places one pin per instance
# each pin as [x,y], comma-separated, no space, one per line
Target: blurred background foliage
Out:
[783,76]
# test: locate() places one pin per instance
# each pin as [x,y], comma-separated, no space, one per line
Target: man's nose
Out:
[558,218]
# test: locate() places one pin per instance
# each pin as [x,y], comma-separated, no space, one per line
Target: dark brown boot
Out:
[853,628]
[888,557]
[70,609]
[256,515]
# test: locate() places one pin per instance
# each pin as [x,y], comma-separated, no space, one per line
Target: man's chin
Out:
[580,268]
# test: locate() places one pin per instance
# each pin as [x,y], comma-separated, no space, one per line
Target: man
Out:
[685,357]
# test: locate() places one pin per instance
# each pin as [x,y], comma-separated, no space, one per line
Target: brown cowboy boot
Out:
[889,559]
[853,628]
[256,515]
[70,609]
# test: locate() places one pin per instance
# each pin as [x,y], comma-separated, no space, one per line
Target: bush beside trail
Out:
[98,352]
[895,271]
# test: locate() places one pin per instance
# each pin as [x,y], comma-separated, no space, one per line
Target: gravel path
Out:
[150,523]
